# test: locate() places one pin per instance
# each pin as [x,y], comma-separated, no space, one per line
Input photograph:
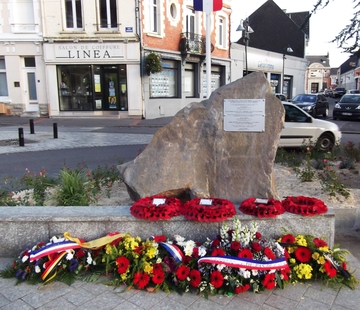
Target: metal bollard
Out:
[32,129]
[21,137]
[55,129]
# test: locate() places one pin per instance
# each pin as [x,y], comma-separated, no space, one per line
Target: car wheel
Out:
[325,142]
[326,113]
[314,113]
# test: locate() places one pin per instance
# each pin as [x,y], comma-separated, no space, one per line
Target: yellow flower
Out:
[151,252]
[303,271]
[123,276]
[315,255]
[292,260]
[324,249]
[108,249]
[148,268]
[290,250]
[321,260]
[300,240]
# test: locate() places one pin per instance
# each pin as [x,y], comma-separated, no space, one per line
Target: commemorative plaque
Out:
[246,115]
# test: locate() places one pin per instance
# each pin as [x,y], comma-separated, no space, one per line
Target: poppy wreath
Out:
[146,209]
[305,206]
[270,209]
[219,210]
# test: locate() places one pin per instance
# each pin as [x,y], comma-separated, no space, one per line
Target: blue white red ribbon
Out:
[245,263]
[174,251]
[53,248]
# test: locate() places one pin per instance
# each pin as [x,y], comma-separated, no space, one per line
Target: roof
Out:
[321,59]
[301,19]
[274,31]
[349,64]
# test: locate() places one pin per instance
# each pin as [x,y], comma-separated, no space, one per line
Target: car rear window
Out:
[350,99]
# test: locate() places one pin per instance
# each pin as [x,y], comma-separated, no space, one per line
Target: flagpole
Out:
[208,55]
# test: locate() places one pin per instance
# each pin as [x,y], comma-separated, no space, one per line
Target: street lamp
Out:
[288,50]
[246,30]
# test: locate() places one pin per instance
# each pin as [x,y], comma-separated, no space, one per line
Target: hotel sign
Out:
[89,51]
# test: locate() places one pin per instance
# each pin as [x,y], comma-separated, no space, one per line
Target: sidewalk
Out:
[98,296]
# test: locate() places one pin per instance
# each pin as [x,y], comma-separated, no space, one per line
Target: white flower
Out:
[202,251]
[24,258]
[220,267]
[179,239]
[69,255]
[254,272]
[246,274]
[37,269]
[89,259]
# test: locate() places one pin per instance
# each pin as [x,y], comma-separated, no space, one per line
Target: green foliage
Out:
[153,63]
[351,151]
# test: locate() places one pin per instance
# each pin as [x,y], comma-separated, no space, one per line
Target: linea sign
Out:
[207,6]
[89,51]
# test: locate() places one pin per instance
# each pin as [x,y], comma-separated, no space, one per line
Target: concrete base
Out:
[23,226]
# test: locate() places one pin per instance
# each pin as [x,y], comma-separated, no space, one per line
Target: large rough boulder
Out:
[194,157]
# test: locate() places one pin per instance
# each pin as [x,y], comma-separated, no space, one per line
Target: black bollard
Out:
[32,129]
[21,137]
[55,130]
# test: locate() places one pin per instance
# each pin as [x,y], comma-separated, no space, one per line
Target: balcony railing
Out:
[193,43]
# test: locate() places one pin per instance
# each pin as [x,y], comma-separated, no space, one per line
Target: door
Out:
[29,78]
[111,98]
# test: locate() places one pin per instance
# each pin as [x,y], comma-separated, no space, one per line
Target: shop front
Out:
[94,79]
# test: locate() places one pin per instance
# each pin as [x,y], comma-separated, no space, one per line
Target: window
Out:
[154,16]
[190,23]
[24,18]
[165,83]
[3,81]
[73,13]
[190,85]
[222,33]
[108,14]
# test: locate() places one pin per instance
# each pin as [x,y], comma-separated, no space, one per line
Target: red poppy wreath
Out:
[208,209]
[156,208]
[262,207]
[305,206]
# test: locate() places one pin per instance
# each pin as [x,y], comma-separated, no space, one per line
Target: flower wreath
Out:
[156,208]
[305,206]
[208,209]
[262,208]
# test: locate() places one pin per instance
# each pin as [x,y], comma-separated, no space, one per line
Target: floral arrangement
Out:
[262,207]
[311,258]
[153,63]
[237,260]
[305,206]
[208,210]
[156,208]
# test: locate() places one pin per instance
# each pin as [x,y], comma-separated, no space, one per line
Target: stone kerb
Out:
[25,226]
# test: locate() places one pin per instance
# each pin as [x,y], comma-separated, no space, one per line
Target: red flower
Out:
[245,253]
[158,277]
[159,239]
[80,253]
[157,268]
[330,270]
[269,253]
[343,265]
[123,263]
[269,281]
[138,249]
[116,241]
[182,272]
[216,279]
[235,246]
[320,243]
[258,235]
[288,239]
[195,278]
[141,279]
[303,254]
[218,252]
[256,246]
[215,243]
[242,288]
[195,252]
[285,273]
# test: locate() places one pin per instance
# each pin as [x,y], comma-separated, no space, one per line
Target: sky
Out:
[325,24]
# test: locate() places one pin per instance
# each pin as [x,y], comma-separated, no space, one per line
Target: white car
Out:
[300,127]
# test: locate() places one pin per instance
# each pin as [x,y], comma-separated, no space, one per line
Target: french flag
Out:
[207,5]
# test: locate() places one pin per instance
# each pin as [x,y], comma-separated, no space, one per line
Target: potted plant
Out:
[153,63]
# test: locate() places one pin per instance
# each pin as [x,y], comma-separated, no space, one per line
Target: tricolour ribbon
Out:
[245,263]
[174,251]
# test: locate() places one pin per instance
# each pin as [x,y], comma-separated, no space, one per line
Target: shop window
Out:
[75,88]
[108,14]
[3,81]
[73,14]
[217,79]
[165,83]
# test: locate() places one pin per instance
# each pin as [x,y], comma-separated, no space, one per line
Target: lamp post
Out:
[288,50]
[246,30]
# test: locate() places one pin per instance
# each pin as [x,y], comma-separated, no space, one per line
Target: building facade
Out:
[318,74]
[176,32]
[22,71]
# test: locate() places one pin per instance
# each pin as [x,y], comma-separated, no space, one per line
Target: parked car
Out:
[338,92]
[299,126]
[353,91]
[313,104]
[280,96]
[347,107]
[328,93]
